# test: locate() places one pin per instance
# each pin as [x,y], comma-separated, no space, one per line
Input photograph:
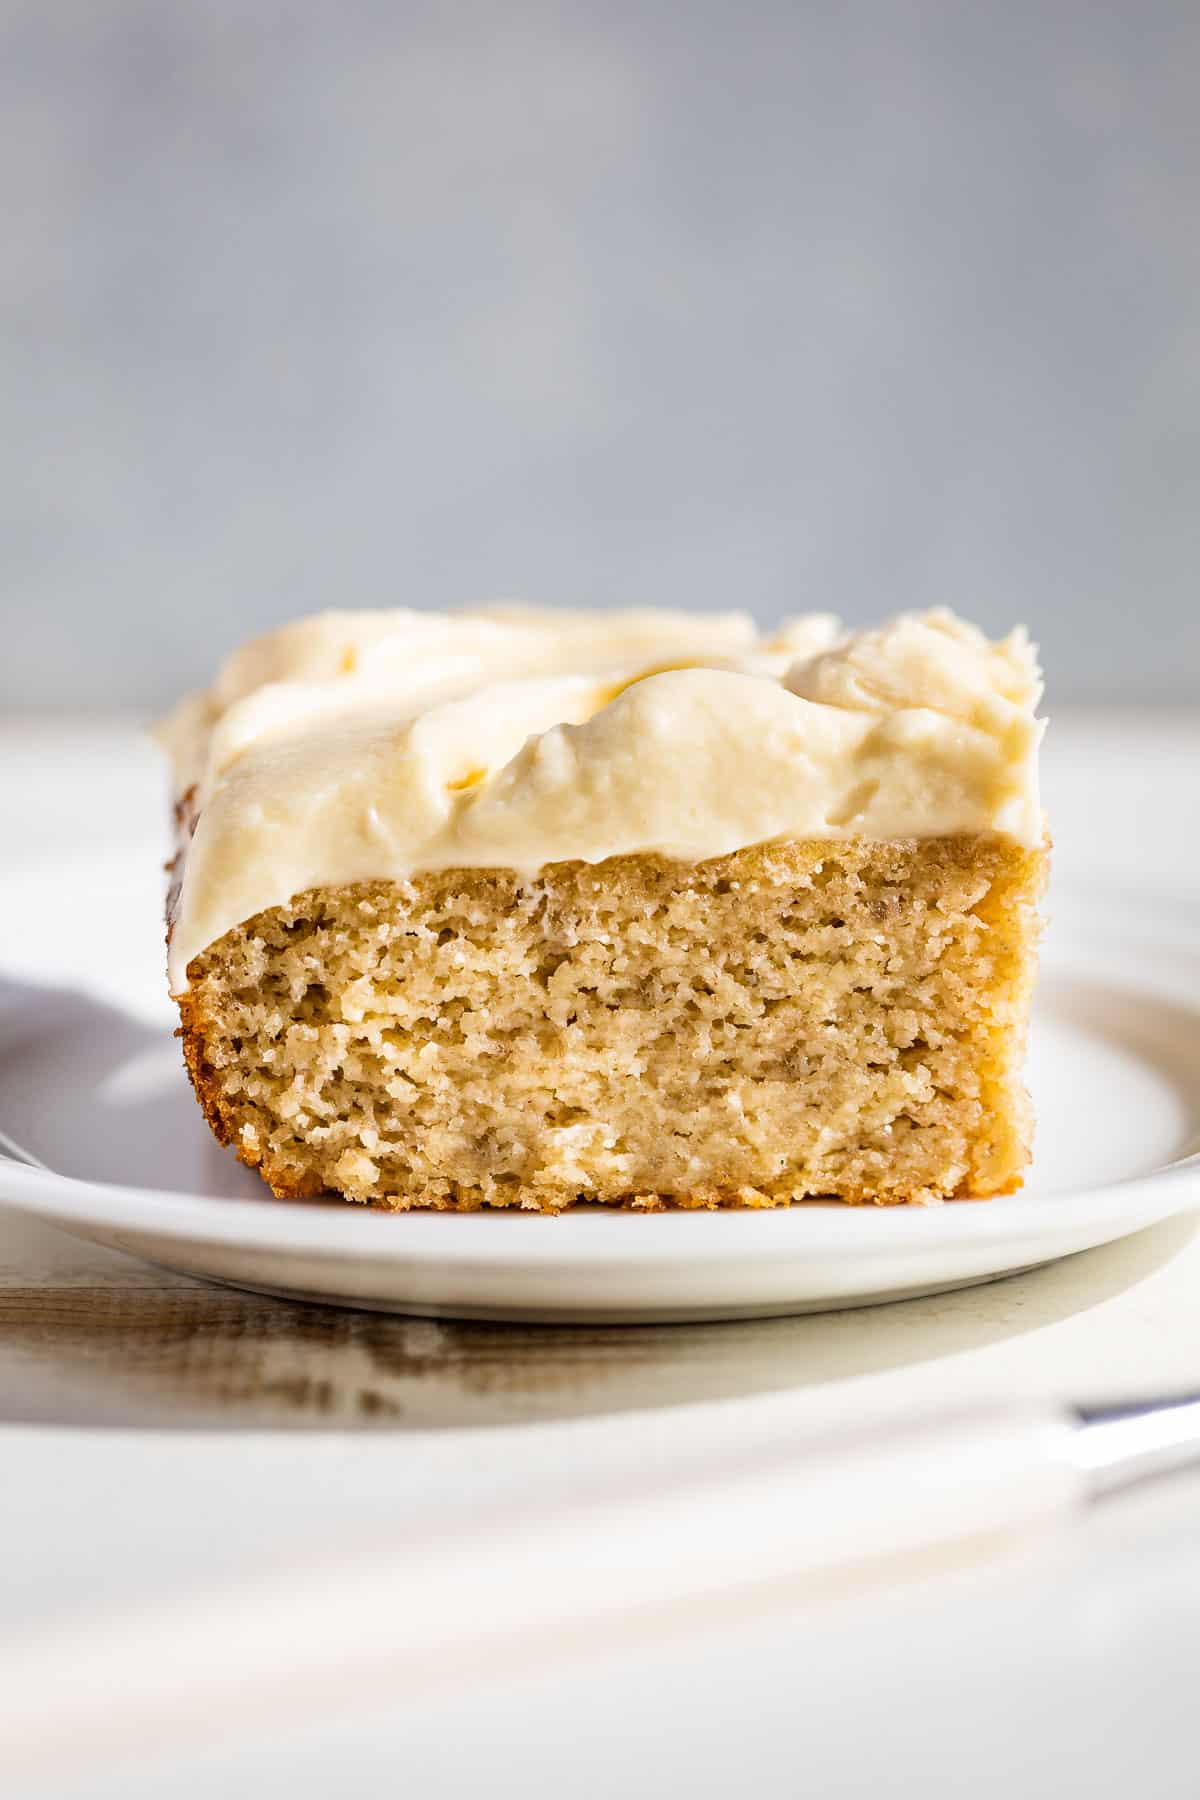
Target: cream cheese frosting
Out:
[373,746]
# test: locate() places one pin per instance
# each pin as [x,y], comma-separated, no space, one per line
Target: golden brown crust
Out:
[995,882]
[223,1120]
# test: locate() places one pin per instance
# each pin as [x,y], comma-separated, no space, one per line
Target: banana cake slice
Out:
[522,908]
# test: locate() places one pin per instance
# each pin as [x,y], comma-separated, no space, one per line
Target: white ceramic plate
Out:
[96,1090]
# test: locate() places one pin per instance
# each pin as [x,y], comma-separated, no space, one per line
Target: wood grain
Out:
[92,1338]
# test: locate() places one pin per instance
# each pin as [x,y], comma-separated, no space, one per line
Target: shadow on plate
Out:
[100,1094]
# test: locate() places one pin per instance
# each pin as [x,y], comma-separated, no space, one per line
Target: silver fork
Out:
[642,1553]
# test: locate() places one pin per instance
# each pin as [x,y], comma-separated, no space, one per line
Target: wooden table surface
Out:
[88,1336]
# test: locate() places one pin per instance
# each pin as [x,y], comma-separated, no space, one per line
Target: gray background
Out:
[849,306]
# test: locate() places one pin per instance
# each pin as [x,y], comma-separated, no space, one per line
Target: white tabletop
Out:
[157,1434]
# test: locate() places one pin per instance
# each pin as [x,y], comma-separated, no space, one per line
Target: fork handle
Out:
[753,1528]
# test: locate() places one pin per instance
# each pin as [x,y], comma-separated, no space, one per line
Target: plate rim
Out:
[345,1232]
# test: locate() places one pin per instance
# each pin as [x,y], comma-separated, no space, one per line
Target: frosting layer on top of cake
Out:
[373,746]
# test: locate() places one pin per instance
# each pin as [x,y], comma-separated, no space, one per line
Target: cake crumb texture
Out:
[799,1019]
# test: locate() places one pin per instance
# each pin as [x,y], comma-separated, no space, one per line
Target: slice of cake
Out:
[518,908]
